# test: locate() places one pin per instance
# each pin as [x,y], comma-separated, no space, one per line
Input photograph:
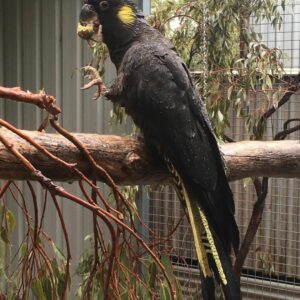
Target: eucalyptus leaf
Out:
[170,272]
[164,292]
[58,253]
[37,289]
[10,220]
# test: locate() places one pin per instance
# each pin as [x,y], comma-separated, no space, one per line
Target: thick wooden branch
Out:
[128,162]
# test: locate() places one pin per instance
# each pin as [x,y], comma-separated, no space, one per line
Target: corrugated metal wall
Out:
[39,48]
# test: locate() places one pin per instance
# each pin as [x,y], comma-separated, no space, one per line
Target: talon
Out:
[95,80]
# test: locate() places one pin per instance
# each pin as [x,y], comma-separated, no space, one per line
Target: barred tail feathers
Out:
[201,230]
[210,250]
[214,261]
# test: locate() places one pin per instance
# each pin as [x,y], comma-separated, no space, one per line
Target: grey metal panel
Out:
[30,77]
[11,56]
[145,5]
[39,49]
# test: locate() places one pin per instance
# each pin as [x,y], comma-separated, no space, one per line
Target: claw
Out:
[94,80]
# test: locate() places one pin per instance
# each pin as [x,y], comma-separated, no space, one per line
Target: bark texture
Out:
[128,161]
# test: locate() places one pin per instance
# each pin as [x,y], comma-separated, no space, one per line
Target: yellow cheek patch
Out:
[126,15]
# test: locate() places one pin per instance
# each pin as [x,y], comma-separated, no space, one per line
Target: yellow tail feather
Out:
[204,242]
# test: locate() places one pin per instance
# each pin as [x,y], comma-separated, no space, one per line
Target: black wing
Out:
[163,102]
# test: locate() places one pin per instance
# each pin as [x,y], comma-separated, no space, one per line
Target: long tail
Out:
[214,259]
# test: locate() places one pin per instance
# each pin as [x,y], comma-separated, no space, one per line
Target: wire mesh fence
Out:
[272,268]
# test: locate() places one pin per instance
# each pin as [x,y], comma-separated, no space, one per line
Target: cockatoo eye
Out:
[104,5]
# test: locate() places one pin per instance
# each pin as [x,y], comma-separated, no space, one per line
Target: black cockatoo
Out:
[157,91]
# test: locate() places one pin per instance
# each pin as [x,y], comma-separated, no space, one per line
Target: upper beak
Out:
[87,15]
[89,27]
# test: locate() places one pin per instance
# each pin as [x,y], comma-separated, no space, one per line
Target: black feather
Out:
[162,100]
[156,89]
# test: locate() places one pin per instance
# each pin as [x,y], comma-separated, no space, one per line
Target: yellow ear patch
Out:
[126,15]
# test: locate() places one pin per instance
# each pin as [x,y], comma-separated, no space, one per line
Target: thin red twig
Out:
[42,100]
[64,228]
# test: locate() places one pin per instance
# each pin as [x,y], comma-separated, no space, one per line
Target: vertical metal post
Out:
[143,199]
[145,6]
[143,206]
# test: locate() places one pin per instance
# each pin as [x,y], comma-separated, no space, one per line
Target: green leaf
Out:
[47,288]
[60,286]
[89,237]
[24,250]
[246,182]
[4,236]
[252,83]
[168,266]
[152,274]
[269,82]
[55,268]
[60,277]
[229,92]
[164,292]
[124,293]
[220,116]
[58,253]
[37,289]
[125,259]
[2,258]
[10,220]
[142,292]
[170,272]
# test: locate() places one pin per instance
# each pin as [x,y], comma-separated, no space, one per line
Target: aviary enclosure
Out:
[41,231]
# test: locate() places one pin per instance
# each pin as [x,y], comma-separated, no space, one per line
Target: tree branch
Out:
[41,100]
[128,161]
[261,188]
[293,88]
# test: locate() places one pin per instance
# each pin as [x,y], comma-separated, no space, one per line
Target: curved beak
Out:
[87,15]
[89,27]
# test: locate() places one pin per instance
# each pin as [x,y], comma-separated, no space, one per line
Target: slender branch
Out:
[66,236]
[261,188]
[103,214]
[293,88]
[283,134]
[41,99]
[4,188]
[100,171]
[36,213]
